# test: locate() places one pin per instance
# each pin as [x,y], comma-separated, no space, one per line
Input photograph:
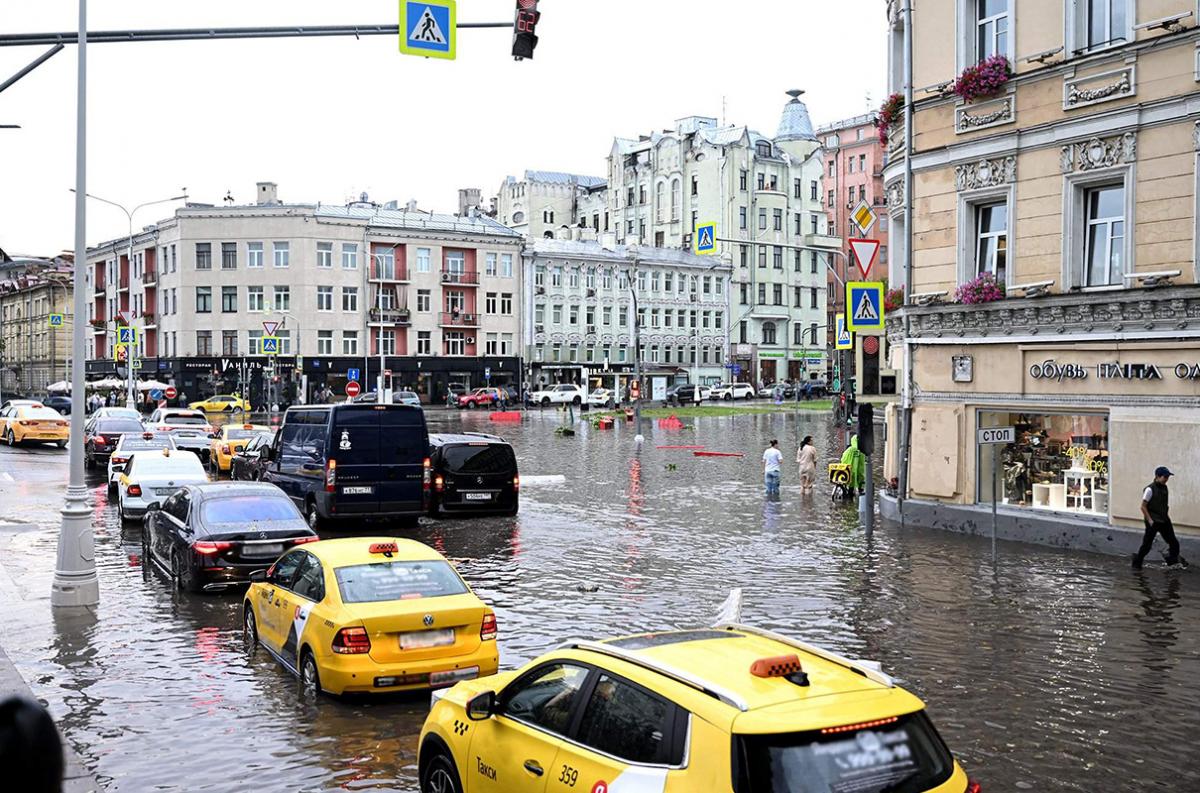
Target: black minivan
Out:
[473,473]
[353,461]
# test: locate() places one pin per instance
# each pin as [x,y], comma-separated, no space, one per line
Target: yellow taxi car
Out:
[370,615]
[34,424]
[731,709]
[231,440]
[221,403]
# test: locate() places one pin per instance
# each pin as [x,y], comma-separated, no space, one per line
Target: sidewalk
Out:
[76,779]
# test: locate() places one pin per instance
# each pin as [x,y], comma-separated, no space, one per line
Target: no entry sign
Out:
[353,389]
[171,393]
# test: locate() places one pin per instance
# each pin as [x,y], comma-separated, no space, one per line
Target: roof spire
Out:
[795,123]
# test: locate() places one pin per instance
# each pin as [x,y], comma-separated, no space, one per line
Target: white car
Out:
[732,391]
[190,428]
[128,444]
[154,476]
[562,394]
[117,413]
[602,398]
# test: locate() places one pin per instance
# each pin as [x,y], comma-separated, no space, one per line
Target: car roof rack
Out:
[487,435]
[861,668]
[703,686]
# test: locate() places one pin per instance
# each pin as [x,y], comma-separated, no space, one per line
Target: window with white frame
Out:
[349,342]
[456,343]
[254,254]
[285,341]
[254,298]
[424,342]
[281,253]
[349,298]
[387,342]
[1098,24]
[324,298]
[506,344]
[325,255]
[423,259]
[385,264]
[991,240]
[491,343]
[1104,235]
[506,265]
[324,342]
[283,298]
[490,264]
[991,28]
[349,256]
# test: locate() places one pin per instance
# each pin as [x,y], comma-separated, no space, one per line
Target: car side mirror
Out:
[258,576]
[152,506]
[268,453]
[482,706]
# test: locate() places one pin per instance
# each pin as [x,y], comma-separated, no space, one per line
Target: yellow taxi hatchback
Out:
[724,710]
[231,440]
[370,615]
[222,403]
[35,424]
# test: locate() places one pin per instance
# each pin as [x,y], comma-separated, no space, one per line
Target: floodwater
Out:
[1044,669]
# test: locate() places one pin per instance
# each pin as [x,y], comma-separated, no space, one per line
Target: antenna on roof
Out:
[724,107]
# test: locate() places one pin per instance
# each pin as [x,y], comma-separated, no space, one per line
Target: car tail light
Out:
[147,436]
[27,423]
[330,475]
[208,547]
[863,725]
[352,641]
[119,460]
[516,482]
[488,630]
[973,787]
[427,474]
[163,427]
[302,540]
[439,483]
[135,490]
[100,440]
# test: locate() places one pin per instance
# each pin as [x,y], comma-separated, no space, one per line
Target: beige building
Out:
[1075,186]
[554,205]
[34,353]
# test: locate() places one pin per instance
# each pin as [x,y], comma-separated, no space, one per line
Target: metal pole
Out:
[866,502]
[637,355]
[131,351]
[995,476]
[75,581]
[907,386]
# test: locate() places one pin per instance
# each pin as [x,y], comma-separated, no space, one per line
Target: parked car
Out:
[214,535]
[602,398]
[21,402]
[353,461]
[117,413]
[248,464]
[732,391]
[222,403]
[152,476]
[129,443]
[190,428]
[562,394]
[686,394]
[480,397]
[59,402]
[101,435]
[473,472]
[406,398]
[33,424]
[227,442]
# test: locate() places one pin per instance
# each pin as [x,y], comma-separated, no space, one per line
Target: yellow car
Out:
[222,403]
[370,615]
[232,439]
[34,423]
[723,710]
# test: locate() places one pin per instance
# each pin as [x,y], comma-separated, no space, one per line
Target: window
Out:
[456,262]
[762,181]
[778,219]
[814,190]
[324,342]
[254,342]
[831,198]
[742,218]
[862,164]
[743,180]
[490,264]
[744,255]
[386,342]
[762,294]
[384,264]
[455,301]
[849,165]
[424,342]
[660,200]
[506,303]
[324,298]
[281,254]
[768,333]
[695,185]
[204,342]
[777,257]
[203,255]
[547,215]
[832,167]
[606,315]
[763,148]
[254,298]
[991,249]
[349,342]
[573,277]
[229,299]
[762,256]
[1104,241]
[204,300]
[745,294]
[228,255]
[556,276]
[762,220]
[797,188]
[349,256]
[325,255]
[254,254]
[456,343]
[556,314]
[489,303]
[229,342]
[799,222]
[797,299]
[506,265]
[539,314]
[283,298]
[350,298]
[777,294]
[813,224]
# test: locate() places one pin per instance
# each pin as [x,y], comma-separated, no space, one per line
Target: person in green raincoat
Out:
[858,465]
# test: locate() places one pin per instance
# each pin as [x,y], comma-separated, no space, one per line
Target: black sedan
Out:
[213,536]
[101,435]
[60,403]
[248,464]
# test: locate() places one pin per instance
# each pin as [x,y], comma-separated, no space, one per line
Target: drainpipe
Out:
[907,397]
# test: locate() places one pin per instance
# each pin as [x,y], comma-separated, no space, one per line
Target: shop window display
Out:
[1058,462]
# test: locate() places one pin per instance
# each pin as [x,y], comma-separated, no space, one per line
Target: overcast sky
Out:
[329,118]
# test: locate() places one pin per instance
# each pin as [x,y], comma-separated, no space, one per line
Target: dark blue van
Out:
[353,461]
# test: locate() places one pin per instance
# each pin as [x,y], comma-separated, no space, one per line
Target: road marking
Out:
[7,477]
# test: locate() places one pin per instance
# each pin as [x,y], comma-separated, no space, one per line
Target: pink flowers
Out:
[894,299]
[984,79]
[984,289]
[889,114]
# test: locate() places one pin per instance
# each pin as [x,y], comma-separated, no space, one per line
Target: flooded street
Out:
[1048,670]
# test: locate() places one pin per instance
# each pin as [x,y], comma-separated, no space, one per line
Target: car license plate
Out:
[358,491]
[452,676]
[272,549]
[477,496]
[422,640]
[165,491]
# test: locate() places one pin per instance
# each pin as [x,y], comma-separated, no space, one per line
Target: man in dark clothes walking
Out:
[1155,513]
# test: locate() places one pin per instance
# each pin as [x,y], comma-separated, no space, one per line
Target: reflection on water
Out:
[1045,671]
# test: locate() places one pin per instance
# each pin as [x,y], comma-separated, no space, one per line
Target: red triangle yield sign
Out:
[864,252]
[270,327]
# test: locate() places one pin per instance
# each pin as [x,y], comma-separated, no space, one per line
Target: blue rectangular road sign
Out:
[864,307]
[353,374]
[126,335]
[270,345]
[429,28]
[705,239]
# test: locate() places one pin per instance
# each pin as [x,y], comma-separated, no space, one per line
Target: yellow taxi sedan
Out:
[370,615]
[221,403]
[231,440]
[34,424]
[732,709]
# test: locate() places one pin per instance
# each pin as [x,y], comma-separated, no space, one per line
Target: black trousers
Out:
[1168,532]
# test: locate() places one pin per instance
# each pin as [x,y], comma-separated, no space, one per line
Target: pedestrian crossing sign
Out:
[864,307]
[56,320]
[843,340]
[704,239]
[428,28]
[270,345]
[126,335]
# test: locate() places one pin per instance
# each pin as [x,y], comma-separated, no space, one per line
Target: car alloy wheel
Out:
[440,777]
[545,401]
[249,631]
[12,441]
[310,678]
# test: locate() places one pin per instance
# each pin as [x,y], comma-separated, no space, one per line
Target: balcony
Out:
[457,278]
[150,276]
[397,275]
[823,241]
[123,285]
[391,316]
[148,319]
[458,319]
[101,287]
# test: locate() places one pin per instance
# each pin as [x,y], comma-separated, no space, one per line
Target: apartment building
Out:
[1074,185]
[579,314]
[34,353]
[426,299]
[550,204]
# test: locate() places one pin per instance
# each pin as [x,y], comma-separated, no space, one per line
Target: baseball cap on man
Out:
[1162,470]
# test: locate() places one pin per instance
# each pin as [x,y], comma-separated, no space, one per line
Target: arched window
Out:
[660,202]
[768,333]
[676,198]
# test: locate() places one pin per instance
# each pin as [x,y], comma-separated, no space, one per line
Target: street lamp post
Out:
[298,352]
[130,401]
[377,259]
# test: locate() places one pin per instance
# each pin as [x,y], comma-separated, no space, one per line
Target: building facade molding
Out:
[985,173]
[985,115]
[1098,153]
[1096,88]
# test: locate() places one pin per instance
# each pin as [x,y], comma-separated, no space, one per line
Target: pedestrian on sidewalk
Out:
[1156,515]
[30,748]
[772,468]
[806,457]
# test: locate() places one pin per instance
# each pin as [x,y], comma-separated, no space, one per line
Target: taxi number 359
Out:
[569,776]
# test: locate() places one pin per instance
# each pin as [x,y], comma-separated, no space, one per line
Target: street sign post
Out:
[864,217]
[995,437]
[353,374]
[156,394]
[864,252]
[120,353]
[487,373]
[704,239]
[269,327]
[171,393]
[137,364]
[56,320]
[428,28]
[843,340]
[126,335]
[270,345]
[864,307]
[353,389]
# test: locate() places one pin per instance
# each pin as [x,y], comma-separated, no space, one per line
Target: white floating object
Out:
[731,610]
[551,479]
[639,439]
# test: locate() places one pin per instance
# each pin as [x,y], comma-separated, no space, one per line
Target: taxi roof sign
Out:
[864,307]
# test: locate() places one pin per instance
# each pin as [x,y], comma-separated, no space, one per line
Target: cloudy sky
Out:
[329,118]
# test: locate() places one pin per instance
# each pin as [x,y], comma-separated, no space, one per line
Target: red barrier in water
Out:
[505,415]
[718,454]
[606,423]
[679,447]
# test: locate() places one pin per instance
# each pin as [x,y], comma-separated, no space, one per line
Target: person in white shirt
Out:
[772,466]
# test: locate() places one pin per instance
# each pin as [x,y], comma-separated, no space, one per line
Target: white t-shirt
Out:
[1147,494]
[772,460]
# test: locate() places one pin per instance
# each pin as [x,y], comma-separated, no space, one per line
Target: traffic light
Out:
[524,29]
